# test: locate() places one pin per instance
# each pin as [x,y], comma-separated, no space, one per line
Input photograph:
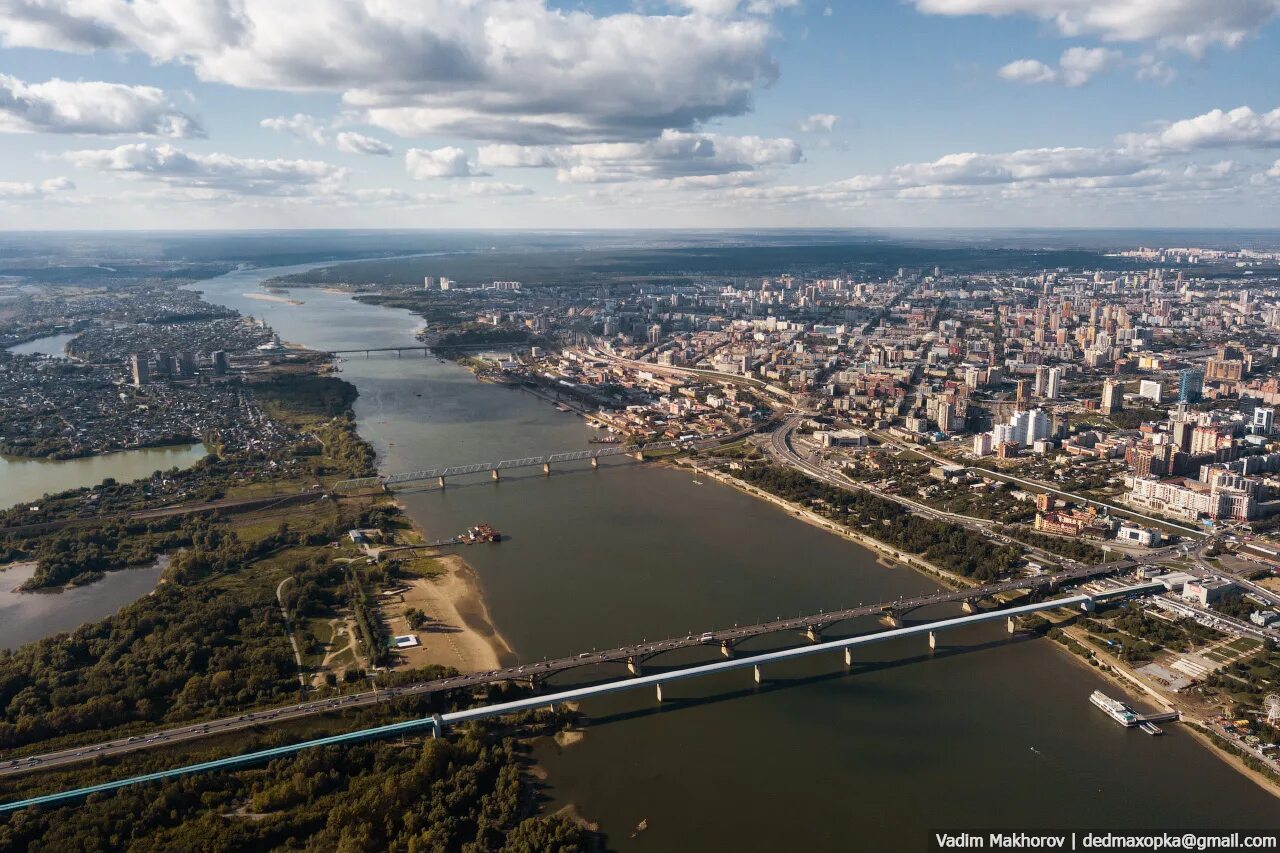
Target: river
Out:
[26,617]
[985,733]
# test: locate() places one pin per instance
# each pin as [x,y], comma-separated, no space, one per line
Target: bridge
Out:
[633,658]
[425,350]
[494,469]
[437,723]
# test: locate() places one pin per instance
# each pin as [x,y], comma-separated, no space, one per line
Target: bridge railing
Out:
[360,483]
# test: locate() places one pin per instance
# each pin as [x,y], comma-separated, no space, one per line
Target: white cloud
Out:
[1240,127]
[1076,66]
[221,172]
[25,190]
[495,188]
[1192,25]
[350,142]
[310,128]
[819,123]
[1028,71]
[675,154]
[722,8]
[1151,69]
[90,108]
[500,70]
[301,125]
[448,162]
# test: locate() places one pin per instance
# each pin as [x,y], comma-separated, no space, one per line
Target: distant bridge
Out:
[437,722]
[441,475]
[425,350]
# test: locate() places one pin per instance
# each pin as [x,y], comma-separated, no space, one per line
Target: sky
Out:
[539,114]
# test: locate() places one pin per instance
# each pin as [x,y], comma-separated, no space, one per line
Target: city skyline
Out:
[702,113]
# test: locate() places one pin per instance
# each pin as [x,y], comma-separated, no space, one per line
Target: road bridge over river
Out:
[631,658]
[436,723]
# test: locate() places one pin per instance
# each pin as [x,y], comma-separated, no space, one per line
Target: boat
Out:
[1150,728]
[480,533]
[562,407]
[609,440]
[1114,709]
[640,827]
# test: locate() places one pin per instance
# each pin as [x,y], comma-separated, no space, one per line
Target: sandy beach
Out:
[459,632]
[272,297]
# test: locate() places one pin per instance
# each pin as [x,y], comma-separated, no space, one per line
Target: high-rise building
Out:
[428,283]
[186,364]
[1021,396]
[140,369]
[1190,385]
[1264,420]
[220,363]
[1112,396]
[1053,383]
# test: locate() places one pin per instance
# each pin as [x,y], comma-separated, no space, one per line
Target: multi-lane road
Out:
[637,654]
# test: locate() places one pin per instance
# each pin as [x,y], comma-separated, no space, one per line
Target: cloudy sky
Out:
[638,113]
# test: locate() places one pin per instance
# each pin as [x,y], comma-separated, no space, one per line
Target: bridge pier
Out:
[437,726]
[494,473]
[635,668]
[546,469]
[970,606]
[1013,627]
[441,482]
[848,656]
[814,635]
[659,688]
[758,675]
[638,456]
[933,641]
[595,463]
[726,649]
[1089,605]
[891,618]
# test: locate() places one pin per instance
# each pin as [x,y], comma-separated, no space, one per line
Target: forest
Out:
[947,545]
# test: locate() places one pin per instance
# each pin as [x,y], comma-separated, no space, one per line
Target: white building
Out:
[982,444]
[1150,390]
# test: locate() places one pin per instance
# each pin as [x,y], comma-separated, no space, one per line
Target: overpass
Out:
[438,722]
[441,475]
[631,658]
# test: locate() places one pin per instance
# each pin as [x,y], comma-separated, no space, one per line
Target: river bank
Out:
[459,632]
[1110,668]
[605,557]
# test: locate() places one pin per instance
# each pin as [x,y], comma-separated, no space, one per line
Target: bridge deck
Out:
[579,693]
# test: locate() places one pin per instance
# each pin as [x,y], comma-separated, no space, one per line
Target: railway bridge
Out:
[442,475]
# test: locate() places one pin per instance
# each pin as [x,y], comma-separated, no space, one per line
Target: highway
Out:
[782,450]
[437,722]
[637,653]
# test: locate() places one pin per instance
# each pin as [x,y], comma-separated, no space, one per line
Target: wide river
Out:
[985,733]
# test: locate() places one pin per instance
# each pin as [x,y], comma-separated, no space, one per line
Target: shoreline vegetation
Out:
[214,640]
[1109,668]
